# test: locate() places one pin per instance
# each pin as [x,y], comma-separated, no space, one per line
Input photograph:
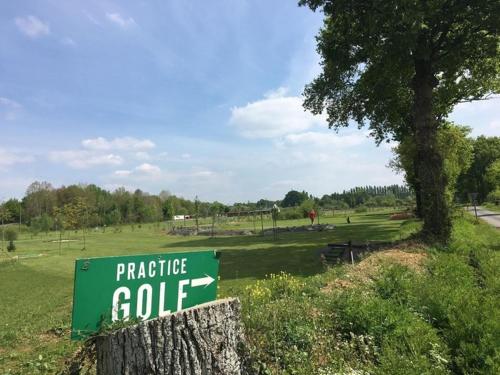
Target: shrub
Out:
[494,196]
[395,283]
[306,207]
[10,234]
[454,300]
[442,320]
[402,216]
[403,341]
[290,214]
[457,296]
[11,246]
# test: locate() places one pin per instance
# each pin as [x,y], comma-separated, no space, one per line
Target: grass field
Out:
[36,292]
[492,207]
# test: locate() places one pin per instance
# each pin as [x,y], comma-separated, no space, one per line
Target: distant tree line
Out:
[471,166]
[45,207]
[369,196]
[77,206]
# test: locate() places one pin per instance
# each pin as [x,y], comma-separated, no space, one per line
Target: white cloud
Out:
[280,92]
[482,116]
[122,173]
[9,103]
[82,159]
[9,158]
[139,172]
[91,18]
[9,109]
[274,116]
[148,169]
[67,41]
[119,20]
[494,126]
[32,26]
[203,173]
[125,143]
[141,155]
[113,187]
[325,140]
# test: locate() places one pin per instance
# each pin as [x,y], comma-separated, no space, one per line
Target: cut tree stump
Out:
[206,339]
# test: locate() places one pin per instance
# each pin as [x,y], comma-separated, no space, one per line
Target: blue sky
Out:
[195,97]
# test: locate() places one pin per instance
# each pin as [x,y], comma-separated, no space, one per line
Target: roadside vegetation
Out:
[411,310]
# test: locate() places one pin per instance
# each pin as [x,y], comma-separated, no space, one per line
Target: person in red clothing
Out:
[312,216]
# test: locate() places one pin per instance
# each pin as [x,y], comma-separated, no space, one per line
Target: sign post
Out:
[473,198]
[140,287]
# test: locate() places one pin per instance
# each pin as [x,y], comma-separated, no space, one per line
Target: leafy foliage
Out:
[294,198]
[10,234]
[440,320]
[480,177]
[455,148]
[399,68]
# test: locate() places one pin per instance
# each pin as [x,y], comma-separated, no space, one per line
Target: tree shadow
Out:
[295,253]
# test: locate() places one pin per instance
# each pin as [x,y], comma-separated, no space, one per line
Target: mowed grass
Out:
[36,292]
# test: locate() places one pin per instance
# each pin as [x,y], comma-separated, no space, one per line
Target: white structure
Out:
[181,217]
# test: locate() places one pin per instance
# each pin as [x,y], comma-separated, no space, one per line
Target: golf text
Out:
[141,286]
[145,293]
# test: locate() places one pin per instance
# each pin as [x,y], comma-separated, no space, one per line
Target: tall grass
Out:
[442,320]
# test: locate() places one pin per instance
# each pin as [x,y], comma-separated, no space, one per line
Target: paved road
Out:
[490,217]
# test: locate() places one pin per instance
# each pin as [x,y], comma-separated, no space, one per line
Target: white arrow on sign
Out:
[206,281]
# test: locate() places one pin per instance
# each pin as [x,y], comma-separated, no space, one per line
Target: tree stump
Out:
[205,340]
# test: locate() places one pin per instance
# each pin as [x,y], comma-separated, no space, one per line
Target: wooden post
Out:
[207,339]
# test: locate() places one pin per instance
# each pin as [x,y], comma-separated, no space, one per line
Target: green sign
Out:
[140,286]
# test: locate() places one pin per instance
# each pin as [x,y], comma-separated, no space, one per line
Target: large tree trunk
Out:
[417,187]
[207,339]
[431,176]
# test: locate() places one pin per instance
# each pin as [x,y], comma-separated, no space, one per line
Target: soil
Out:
[411,255]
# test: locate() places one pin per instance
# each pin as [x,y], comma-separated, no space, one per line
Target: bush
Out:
[395,283]
[494,196]
[10,235]
[444,319]
[282,333]
[290,214]
[306,207]
[453,299]
[403,343]
[11,246]
[457,296]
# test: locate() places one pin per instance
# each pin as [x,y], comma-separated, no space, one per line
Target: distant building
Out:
[182,217]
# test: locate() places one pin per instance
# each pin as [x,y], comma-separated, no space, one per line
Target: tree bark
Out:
[431,176]
[207,339]
[418,189]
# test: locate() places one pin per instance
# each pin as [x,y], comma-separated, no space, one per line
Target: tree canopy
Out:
[400,67]
[294,198]
[479,177]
